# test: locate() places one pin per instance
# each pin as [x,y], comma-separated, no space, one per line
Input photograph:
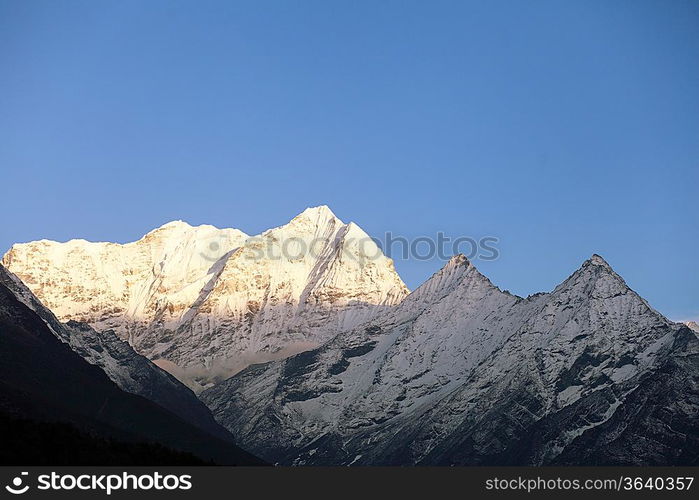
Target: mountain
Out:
[43,382]
[125,288]
[130,371]
[692,326]
[113,286]
[462,373]
[203,302]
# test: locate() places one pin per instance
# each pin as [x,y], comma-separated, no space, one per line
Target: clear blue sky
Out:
[562,127]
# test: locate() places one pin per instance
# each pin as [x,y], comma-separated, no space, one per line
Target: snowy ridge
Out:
[453,368]
[104,283]
[204,302]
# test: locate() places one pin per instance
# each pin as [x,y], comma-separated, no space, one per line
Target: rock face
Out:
[204,302]
[42,380]
[463,373]
[132,372]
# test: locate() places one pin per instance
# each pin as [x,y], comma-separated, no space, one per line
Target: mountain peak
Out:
[175,224]
[313,220]
[168,227]
[591,270]
[597,260]
[321,212]
[460,269]
[458,260]
[595,279]
[457,272]
[600,269]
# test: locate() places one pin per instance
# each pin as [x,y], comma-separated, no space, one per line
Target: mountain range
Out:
[203,302]
[464,373]
[306,348]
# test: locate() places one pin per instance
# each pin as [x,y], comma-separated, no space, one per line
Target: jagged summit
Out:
[457,265]
[598,260]
[318,216]
[458,273]
[317,223]
[317,211]
[595,271]
[458,260]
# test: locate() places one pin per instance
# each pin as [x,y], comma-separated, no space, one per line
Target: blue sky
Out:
[562,128]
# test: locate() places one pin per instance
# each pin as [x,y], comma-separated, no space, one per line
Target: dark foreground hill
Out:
[43,380]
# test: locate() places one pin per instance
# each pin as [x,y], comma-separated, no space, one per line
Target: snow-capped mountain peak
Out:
[204,302]
[319,215]
[598,260]
[457,273]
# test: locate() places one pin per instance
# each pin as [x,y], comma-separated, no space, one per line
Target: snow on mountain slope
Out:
[112,286]
[461,373]
[692,326]
[204,303]
[130,371]
[289,289]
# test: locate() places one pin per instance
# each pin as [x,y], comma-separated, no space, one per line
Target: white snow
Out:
[449,350]
[210,301]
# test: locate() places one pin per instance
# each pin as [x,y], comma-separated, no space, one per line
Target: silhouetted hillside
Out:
[42,379]
[27,442]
